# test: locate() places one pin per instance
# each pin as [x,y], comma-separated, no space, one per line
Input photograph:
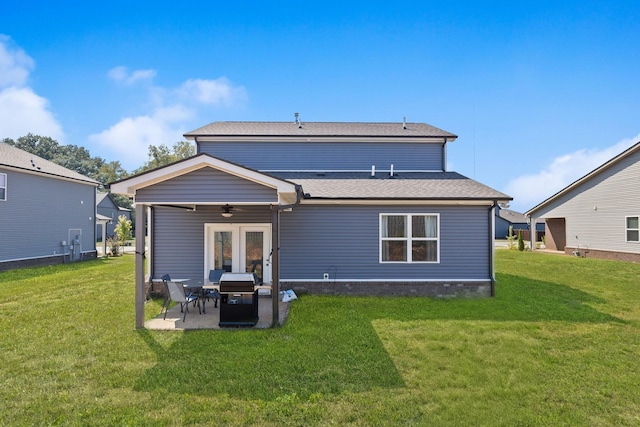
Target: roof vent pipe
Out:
[391,171]
[373,171]
[404,122]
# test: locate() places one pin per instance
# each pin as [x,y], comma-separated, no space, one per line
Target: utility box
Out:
[238,300]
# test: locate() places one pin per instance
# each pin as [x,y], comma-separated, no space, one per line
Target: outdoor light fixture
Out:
[226,211]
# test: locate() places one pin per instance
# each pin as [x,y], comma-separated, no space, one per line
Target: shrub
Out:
[113,245]
[520,241]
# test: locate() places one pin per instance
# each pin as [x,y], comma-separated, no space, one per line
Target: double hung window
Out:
[3,187]
[409,238]
[633,228]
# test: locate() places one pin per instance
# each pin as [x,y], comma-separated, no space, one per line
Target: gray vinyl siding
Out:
[595,211]
[178,236]
[206,186]
[38,213]
[344,242]
[340,240]
[329,155]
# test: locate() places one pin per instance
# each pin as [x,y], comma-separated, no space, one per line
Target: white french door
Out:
[239,248]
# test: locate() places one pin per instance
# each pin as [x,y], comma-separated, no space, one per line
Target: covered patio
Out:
[203,214]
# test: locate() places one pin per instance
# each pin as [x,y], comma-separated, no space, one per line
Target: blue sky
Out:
[539,92]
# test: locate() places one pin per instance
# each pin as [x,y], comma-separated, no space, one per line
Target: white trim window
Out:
[633,228]
[409,238]
[3,187]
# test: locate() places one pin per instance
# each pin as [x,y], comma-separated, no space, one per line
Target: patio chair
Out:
[166,278]
[214,278]
[176,293]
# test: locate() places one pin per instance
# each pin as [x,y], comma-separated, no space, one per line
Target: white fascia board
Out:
[130,186]
[287,138]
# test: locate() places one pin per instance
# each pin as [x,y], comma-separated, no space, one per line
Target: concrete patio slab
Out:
[210,319]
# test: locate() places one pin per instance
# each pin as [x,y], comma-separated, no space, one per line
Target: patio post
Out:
[141,215]
[275,265]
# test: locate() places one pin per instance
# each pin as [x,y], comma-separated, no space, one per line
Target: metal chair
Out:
[175,292]
[214,278]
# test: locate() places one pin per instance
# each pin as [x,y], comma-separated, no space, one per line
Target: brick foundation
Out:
[443,289]
[596,253]
[43,261]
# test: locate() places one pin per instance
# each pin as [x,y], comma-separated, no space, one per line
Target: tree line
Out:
[80,160]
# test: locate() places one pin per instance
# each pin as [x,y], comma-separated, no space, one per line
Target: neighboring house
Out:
[599,214]
[344,208]
[47,212]
[506,218]
[108,210]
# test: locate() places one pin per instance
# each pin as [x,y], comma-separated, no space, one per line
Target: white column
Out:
[532,232]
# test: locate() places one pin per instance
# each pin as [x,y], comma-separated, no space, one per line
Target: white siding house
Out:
[597,215]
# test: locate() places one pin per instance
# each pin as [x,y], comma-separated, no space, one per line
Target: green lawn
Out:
[558,345]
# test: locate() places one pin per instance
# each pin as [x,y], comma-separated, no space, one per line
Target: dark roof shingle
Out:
[14,157]
[321,129]
[411,186]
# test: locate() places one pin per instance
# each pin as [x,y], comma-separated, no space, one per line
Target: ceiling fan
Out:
[227,211]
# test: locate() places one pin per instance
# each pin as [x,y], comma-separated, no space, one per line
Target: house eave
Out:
[395,201]
[50,175]
[323,138]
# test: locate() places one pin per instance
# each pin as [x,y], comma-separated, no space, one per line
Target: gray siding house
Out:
[506,218]
[109,211]
[339,208]
[47,212]
[598,215]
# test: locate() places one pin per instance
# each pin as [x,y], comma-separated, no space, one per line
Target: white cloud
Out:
[121,74]
[15,64]
[211,92]
[131,137]
[25,112]
[22,110]
[529,190]
[171,110]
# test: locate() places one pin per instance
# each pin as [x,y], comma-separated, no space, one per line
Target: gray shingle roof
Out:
[322,129]
[11,156]
[512,216]
[416,185]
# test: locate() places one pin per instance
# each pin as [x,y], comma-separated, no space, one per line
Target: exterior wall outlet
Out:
[326,276]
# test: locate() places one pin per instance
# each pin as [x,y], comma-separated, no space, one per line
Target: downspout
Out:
[275,256]
[444,155]
[492,248]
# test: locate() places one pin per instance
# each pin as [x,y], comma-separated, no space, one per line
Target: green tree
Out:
[162,155]
[123,229]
